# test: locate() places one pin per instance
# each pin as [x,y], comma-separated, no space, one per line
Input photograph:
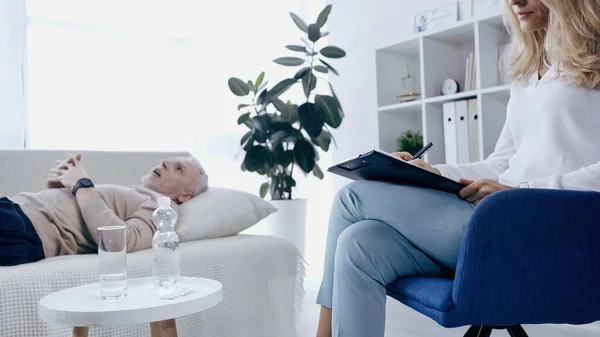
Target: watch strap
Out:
[82,183]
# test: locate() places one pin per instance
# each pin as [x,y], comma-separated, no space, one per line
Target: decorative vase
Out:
[288,222]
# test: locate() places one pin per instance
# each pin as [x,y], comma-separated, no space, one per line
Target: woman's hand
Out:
[475,191]
[417,162]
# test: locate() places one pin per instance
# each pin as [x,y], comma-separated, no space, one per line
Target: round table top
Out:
[82,306]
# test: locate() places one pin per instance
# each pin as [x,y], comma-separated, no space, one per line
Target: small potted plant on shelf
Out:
[410,141]
[282,136]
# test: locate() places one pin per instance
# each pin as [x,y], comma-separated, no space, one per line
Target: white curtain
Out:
[12,68]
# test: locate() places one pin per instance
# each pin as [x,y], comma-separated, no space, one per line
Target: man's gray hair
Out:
[202,183]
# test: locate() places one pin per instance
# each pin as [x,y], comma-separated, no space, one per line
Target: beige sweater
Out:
[65,228]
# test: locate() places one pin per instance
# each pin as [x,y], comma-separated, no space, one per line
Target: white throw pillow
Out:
[220,212]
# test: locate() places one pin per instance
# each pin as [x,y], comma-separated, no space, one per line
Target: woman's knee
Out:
[360,243]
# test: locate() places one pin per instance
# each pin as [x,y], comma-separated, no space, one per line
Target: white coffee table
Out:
[82,307]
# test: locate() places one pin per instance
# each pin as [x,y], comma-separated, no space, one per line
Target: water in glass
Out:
[112,256]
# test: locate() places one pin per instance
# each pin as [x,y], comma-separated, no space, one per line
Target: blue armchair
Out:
[528,256]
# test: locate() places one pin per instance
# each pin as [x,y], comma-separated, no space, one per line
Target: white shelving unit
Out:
[433,57]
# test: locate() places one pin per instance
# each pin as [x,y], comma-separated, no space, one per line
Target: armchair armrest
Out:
[531,256]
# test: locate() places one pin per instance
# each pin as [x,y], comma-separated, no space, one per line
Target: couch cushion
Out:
[432,292]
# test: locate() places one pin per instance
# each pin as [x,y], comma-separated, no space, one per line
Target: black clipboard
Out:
[380,166]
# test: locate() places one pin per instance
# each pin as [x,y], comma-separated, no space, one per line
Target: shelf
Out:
[456,28]
[500,92]
[405,48]
[450,98]
[458,35]
[400,106]
[494,20]
[496,89]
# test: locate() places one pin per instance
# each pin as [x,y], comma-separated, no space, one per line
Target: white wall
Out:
[360,27]
[12,49]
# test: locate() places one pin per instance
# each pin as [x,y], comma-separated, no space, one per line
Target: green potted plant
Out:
[410,141]
[283,137]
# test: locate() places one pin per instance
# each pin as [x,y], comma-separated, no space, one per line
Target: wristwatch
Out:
[82,183]
[524,184]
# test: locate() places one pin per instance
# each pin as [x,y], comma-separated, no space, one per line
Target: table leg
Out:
[163,328]
[79,331]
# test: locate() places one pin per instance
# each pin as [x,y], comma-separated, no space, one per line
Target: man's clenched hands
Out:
[67,173]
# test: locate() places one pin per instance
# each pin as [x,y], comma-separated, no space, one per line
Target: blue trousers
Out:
[19,242]
[378,233]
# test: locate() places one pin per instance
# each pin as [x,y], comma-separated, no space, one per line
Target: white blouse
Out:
[550,139]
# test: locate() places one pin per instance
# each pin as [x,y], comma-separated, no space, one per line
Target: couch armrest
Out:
[531,256]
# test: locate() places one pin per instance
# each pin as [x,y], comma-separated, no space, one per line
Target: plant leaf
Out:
[259,79]
[289,181]
[322,19]
[337,101]
[308,53]
[243,118]
[321,69]
[274,185]
[329,67]
[238,87]
[314,33]
[263,189]
[296,48]
[333,52]
[255,158]
[286,158]
[332,113]
[262,97]
[262,86]
[301,73]
[245,138]
[323,34]
[261,128]
[312,119]
[299,22]
[309,83]
[317,172]
[278,136]
[241,106]
[280,88]
[289,61]
[282,126]
[323,141]
[305,155]
[289,112]
[251,86]
[249,123]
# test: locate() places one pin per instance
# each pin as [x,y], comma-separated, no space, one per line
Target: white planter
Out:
[289,221]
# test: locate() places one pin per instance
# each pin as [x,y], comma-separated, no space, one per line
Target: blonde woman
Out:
[381,232]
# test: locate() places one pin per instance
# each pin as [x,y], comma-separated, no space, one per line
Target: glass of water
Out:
[112,256]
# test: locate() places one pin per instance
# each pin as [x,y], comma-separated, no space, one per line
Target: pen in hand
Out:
[422,151]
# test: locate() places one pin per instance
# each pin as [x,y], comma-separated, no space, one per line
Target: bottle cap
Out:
[164,201]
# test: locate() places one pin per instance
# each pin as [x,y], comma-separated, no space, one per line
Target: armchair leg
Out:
[473,331]
[480,331]
[485,331]
[516,331]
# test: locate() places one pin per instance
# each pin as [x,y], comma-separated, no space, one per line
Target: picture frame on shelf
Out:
[482,7]
[436,18]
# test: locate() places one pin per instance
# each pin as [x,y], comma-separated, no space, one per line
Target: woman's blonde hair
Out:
[571,43]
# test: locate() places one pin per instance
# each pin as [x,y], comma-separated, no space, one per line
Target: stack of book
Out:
[462,132]
[470,73]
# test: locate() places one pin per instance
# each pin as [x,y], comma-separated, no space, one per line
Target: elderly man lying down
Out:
[63,218]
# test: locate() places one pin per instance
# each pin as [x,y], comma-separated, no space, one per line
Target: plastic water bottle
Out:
[165,246]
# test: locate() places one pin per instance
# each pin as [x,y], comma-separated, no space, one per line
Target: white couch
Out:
[262,276]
